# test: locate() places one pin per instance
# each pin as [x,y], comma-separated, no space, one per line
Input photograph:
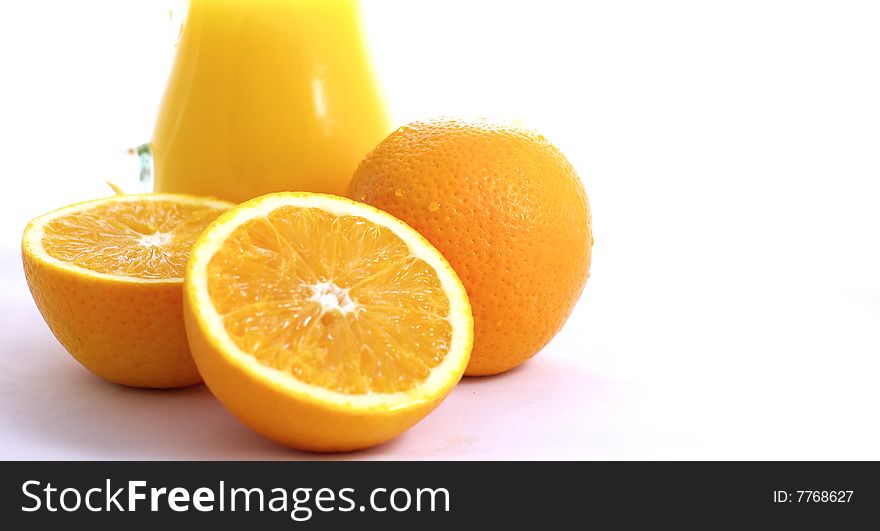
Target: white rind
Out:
[459,313]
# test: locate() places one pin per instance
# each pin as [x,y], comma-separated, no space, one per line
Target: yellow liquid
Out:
[267,96]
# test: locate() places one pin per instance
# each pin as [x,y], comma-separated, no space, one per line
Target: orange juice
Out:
[266,96]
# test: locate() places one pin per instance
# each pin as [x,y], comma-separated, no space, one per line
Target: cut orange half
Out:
[324,323]
[107,276]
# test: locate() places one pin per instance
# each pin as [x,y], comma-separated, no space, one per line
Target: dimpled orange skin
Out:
[126,332]
[508,212]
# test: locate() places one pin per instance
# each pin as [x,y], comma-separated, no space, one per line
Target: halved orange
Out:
[107,276]
[323,323]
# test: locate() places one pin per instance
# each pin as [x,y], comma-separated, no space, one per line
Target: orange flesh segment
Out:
[335,301]
[146,239]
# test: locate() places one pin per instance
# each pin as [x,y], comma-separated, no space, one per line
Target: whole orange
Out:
[509,213]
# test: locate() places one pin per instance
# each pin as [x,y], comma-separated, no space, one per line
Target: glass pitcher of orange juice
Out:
[266,96]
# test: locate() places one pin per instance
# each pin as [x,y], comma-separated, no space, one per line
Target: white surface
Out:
[730,153]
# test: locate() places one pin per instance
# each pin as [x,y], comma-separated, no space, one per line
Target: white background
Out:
[730,152]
